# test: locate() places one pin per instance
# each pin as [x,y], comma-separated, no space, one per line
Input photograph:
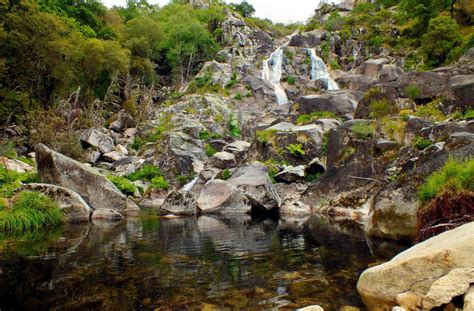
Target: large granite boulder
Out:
[180,203]
[254,182]
[16,165]
[57,169]
[338,102]
[308,39]
[425,276]
[221,197]
[74,207]
[462,87]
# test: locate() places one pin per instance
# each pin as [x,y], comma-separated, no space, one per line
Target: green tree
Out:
[244,8]
[442,36]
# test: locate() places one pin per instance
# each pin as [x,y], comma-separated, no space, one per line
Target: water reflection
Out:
[176,264]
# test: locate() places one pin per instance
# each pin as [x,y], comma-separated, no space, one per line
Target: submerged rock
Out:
[74,207]
[408,278]
[57,169]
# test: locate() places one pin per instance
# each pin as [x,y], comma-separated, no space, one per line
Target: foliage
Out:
[381,108]
[413,91]
[430,111]
[296,150]
[209,150]
[30,210]
[265,136]
[244,8]
[234,127]
[334,65]
[146,172]
[393,128]
[453,176]
[363,130]
[315,115]
[238,96]
[11,180]
[122,184]
[325,143]
[291,80]
[233,80]
[469,114]
[226,174]
[422,143]
[159,183]
[311,178]
[206,135]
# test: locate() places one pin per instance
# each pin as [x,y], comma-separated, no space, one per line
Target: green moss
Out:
[413,91]
[469,114]
[296,150]
[422,143]
[209,150]
[315,115]
[454,176]
[30,210]
[381,108]
[206,135]
[146,172]
[325,143]
[159,183]
[123,184]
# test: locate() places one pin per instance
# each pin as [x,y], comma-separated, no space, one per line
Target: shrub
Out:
[430,111]
[30,210]
[334,65]
[206,135]
[209,150]
[413,91]
[234,127]
[454,176]
[381,108]
[291,80]
[146,172]
[226,174]
[442,37]
[265,136]
[159,183]
[363,130]
[11,180]
[238,96]
[394,129]
[182,179]
[123,184]
[469,114]
[311,177]
[296,150]
[315,115]
[233,80]
[422,143]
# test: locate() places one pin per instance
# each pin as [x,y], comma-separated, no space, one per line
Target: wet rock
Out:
[223,160]
[96,139]
[180,203]
[16,165]
[416,270]
[57,169]
[221,197]
[291,174]
[74,207]
[106,214]
[254,182]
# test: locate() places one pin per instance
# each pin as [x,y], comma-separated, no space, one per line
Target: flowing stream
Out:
[319,71]
[210,263]
[272,71]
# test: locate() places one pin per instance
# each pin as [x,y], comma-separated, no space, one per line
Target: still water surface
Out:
[187,264]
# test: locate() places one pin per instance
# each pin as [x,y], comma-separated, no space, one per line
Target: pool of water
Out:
[206,263]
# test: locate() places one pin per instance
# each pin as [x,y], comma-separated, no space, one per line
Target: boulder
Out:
[223,160]
[221,197]
[96,139]
[458,140]
[124,121]
[57,169]
[371,68]
[74,207]
[338,102]
[412,278]
[112,156]
[469,297]
[254,182]
[291,174]
[106,214]
[180,203]
[16,165]
[309,39]
[311,308]
[462,88]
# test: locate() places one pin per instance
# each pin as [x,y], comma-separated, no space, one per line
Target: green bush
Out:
[325,143]
[238,96]
[123,184]
[226,174]
[30,210]
[381,108]
[454,176]
[159,183]
[315,115]
[146,172]
[442,37]
[334,65]
[413,91]
[469,114]
[291,80]
[265,136]
[234,127]
[209,150]
[363,130]
[430,111]
[206,135]
[296,150]
[422,143]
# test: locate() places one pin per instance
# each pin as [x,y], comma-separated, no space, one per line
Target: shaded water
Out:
[179,264]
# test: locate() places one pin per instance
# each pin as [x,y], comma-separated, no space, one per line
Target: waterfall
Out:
[319,71]
[189,186]
[272,71]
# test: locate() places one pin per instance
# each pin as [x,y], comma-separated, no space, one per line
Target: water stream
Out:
[272,71]
[149,263]
[319,71]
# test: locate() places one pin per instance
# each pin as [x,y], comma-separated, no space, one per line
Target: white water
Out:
[189,186]
[319,71]
[272,71]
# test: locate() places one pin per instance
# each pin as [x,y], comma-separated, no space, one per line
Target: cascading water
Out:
[272,71]
[319,71]
[189,186]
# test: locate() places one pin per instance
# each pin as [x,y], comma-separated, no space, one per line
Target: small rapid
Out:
[272,71]
[319,71]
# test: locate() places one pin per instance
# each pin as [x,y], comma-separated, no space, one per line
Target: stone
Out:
[95,138]
[291,174]
[74,207]
[124,120]
[112,156]
[106,214]
[389,73]
[57,169]
[458,140]
[93,156]
[340,102]
[221,197]
[462,89]
[121,149]
[16,165]
[254,182]
[372,67]
[223,160]
[180,203]
[416,269]
[469,299]
[309,39]
[311,308]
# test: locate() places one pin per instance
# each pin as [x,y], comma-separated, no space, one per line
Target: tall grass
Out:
[31,210]
[453,176]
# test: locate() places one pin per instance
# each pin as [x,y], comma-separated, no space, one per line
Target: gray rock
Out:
[254,182]
[414,272]
[98,140]
[181,203]
[16,165]
[291,174]
[106,214]
[221,197]
[71,203]
[338,102]
[469,296]
[458,140]
[372,67]
[57,169]
[112,156]
[308,39]
[223,160]
[462,88]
